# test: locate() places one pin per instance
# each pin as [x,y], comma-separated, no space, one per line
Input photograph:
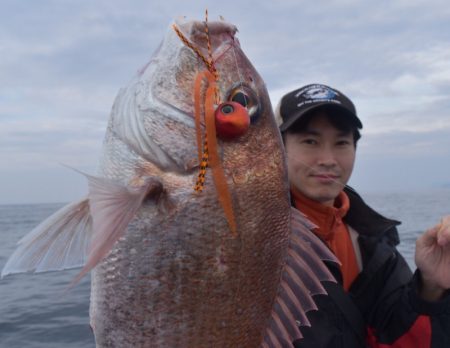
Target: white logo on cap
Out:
[315,94]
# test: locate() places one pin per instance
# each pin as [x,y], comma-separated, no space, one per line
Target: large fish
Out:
[227,264]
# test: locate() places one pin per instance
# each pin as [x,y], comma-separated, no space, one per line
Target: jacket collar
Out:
[326,218]
[365,220]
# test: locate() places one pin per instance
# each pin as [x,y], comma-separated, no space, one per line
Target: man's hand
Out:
[433,260]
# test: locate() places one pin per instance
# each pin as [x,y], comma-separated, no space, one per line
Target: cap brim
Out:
[284,126]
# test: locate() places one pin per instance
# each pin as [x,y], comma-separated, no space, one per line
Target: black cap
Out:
[297,103]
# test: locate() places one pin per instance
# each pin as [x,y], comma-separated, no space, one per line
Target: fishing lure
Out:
[226,120]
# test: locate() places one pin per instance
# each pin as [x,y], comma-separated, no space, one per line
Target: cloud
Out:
[64,62]
[402,161]
[404,144]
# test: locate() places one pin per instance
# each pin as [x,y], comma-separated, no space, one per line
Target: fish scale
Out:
[167,269]
[185,267]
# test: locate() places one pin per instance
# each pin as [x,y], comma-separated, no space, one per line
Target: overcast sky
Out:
[63,62]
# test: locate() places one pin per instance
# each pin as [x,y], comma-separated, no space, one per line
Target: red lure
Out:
[232,120]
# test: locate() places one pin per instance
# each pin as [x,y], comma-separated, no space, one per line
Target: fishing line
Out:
[211,60]
[241,80]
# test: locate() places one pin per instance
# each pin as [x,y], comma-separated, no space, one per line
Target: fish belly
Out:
[186,282]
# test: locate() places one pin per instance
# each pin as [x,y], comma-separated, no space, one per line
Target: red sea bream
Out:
[228,264]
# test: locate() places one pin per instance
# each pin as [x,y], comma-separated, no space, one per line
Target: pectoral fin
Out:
[81,234]
[59,242]
[112,207]
[302,274]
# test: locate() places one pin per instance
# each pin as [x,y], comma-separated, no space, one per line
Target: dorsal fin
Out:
[301,277]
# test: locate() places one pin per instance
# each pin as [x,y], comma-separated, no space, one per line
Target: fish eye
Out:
[245,96]
[241,98]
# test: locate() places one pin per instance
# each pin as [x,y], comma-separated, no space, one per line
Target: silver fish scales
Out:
[166,270]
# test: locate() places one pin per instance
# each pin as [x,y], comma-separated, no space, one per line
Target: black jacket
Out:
[382,306]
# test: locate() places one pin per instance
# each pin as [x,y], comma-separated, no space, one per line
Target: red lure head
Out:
[232,120]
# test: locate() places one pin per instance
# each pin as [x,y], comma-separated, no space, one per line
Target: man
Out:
[377,301]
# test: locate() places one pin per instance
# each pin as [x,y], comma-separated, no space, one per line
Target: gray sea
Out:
[36,313]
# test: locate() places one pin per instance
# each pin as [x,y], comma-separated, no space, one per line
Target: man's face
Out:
[320,159]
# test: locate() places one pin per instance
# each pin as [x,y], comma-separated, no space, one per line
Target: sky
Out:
[63,62]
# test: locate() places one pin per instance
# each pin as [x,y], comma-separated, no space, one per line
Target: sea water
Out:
[35,312]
